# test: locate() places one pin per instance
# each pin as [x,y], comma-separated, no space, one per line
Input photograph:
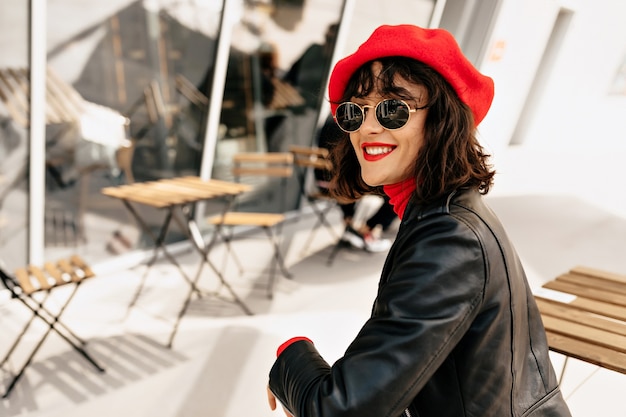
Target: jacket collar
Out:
[442,206]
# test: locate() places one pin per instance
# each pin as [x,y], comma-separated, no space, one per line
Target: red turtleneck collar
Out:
[400,194]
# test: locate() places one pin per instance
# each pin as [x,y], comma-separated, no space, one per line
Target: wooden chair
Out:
[32,286]
[314,191]
[276,165]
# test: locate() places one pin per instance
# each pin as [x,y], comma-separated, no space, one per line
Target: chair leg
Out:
[19,374]
[321,220]
[341,244]
[24,330]
[179,317]
[278,262]
[322,213]
[227,239]
[53,324]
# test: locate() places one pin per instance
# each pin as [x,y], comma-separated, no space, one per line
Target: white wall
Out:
[515,49]
[575,108]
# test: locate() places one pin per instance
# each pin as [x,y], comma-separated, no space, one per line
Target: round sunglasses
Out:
[392,114]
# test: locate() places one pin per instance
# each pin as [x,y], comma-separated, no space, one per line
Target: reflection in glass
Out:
[275,85]
[132,78]
[14,134]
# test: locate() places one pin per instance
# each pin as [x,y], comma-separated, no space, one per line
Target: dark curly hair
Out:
[451,157]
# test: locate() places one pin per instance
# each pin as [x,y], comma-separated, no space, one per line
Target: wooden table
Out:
[584,313]
[177,196]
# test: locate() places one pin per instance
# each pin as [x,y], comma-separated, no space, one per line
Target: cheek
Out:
[414,140]
[355,142]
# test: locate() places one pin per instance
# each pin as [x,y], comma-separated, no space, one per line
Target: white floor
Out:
[560,210]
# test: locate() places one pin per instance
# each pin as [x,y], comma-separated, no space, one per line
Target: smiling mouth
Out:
[378,150]
[374,153]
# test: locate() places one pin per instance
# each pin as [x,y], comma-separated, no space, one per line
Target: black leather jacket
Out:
[454,331]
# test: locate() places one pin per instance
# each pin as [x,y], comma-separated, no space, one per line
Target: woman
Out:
[454,330]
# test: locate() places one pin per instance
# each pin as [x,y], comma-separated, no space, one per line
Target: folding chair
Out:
[258,165]
[32,286]
[309,162]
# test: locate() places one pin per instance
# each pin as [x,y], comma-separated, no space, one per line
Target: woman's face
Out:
[388,156]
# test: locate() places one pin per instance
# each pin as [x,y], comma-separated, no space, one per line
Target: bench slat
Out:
[594,282]
[586,292]
[592,272]
[587,352]
[580,331]
[565,311]
[593,306]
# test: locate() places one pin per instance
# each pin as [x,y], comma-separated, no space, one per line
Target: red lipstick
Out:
[380,150]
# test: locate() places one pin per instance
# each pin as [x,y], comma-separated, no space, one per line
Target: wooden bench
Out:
[31,280]
[584,313]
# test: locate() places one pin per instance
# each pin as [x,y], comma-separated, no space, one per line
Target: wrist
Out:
[289,342]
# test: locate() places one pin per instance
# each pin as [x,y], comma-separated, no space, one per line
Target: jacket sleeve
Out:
[431,289]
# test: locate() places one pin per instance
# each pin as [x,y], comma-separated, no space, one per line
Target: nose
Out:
[370,124]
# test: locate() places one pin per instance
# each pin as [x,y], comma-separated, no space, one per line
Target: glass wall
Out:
[127,98]
[275,84]
[369,14]
[128,91]
[14,133]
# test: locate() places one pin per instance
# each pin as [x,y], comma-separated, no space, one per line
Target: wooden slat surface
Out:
[606,275]
[175,191]
[584,313]
[63,103]
[589,292]
[264,157]
[227,188]
[587,352]
[23,279]
[594,282]
[53,274]
[311,157]
[263,164]
[562,310]
[262,171]
[247,219]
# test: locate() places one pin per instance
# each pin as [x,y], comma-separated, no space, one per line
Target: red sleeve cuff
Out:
[284,346]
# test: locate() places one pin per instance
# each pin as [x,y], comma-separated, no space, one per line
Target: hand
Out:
[271,399]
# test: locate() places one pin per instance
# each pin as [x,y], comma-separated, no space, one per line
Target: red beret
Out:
[434,47]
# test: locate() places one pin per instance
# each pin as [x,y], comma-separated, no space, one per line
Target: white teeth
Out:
[377,150]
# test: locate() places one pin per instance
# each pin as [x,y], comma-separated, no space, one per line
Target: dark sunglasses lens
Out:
[349,117]
[392,114]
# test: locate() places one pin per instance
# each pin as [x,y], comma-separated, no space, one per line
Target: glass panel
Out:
[279,61]
[127,101]
[14,133]
[369,14]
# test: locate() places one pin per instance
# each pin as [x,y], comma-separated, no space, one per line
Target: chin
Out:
[373,182]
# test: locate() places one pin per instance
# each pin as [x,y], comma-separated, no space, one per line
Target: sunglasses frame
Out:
[375,107]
